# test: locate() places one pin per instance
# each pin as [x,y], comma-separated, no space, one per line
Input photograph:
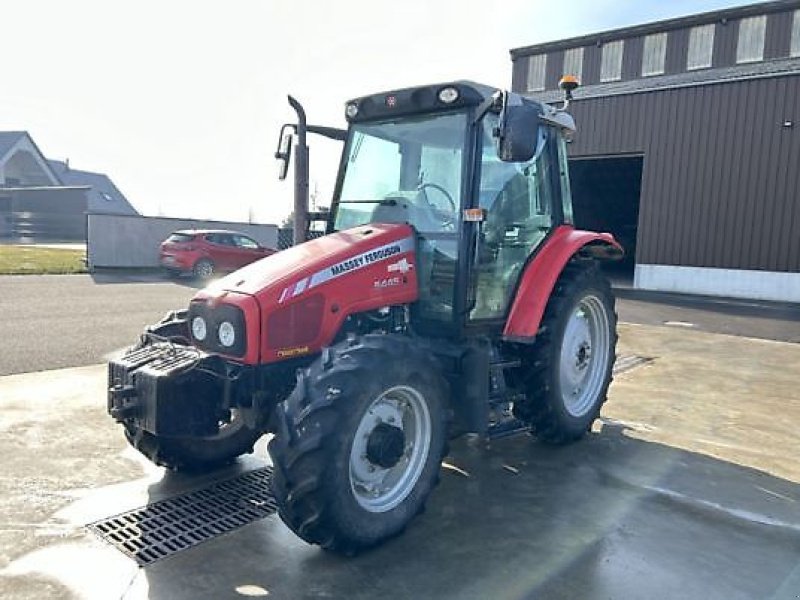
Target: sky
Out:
[180,102]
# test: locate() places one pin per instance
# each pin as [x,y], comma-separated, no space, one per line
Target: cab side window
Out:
[519,200]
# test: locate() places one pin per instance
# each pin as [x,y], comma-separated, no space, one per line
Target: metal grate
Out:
[163,528]
[629,362]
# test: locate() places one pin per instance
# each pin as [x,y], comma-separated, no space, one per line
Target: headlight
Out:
[199,328]
[226,334]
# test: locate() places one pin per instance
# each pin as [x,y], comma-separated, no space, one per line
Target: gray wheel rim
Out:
[584,356]
[205,269]
[377,489]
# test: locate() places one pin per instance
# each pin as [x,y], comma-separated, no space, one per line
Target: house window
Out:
[573,62]
[796,34]
[751,39]
[655,52]
[701,47]
[536,72]
[611,63]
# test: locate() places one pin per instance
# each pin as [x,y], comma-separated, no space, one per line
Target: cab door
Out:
[522,206]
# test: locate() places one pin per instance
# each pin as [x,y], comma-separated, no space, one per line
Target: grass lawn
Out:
[15,260]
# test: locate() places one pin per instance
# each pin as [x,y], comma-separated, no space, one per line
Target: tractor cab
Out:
[478,173]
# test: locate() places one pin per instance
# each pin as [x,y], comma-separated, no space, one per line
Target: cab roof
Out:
[425,99]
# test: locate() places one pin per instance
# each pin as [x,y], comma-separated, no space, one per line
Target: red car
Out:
[204,252]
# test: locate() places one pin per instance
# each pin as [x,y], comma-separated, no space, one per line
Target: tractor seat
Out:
[395,208]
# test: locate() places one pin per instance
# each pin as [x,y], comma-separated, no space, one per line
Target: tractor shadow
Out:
[611,516]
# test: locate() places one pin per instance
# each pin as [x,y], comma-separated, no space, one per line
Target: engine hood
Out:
[319,259]
[304,294]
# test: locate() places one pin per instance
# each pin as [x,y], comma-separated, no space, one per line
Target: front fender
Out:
[540,276]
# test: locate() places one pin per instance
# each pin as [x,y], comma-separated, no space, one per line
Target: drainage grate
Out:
[163,528]
[629,362]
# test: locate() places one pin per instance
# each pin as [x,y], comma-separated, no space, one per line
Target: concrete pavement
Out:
[688,488]
[58,321]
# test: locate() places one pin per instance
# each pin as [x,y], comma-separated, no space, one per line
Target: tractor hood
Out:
[318,260]
[305,293]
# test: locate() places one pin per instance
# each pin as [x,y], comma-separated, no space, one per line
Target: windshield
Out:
[407,170]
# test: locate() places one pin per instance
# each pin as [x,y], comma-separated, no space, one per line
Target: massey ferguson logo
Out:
[401,266]
[356,263]
[365,259]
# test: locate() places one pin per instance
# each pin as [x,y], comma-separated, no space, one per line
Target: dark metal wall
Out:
[720,179]
[726,33]
[43,214]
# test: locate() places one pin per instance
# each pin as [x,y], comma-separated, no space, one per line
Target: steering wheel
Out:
[443,215]
[423,186]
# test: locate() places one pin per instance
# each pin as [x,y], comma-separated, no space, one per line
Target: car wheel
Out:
[203,269]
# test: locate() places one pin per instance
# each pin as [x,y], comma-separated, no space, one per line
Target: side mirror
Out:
[284,154]
[517,137]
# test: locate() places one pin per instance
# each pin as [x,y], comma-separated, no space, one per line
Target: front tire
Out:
[360,442]
[566,374]
[195,455]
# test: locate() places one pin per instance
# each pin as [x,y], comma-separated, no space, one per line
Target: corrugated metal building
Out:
[688,145]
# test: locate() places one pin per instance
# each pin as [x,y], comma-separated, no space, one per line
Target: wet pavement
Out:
[689,487]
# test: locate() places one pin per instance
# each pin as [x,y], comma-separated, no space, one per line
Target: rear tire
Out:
[359,443]
[566,374]
[203,269]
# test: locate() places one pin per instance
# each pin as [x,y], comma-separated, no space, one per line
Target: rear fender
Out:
[541,274]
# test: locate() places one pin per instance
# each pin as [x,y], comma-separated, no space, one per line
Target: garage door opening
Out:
[605,197]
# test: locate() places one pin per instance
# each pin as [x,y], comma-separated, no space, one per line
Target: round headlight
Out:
[199,328]
[226,334]
[351,110]
[448,95]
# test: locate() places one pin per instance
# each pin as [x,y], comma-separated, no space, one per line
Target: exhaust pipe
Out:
[301,175]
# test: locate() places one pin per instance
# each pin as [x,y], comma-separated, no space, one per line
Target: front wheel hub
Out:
[390,448]
[385,445]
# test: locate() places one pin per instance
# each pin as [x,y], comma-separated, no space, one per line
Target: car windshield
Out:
[405,170]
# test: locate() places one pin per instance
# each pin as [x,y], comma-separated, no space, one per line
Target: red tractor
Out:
[452,294]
